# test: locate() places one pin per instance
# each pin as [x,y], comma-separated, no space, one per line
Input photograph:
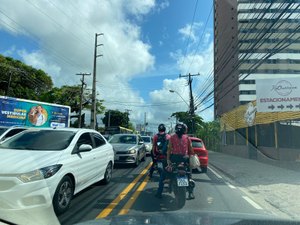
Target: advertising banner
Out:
[20,112]
[278,95]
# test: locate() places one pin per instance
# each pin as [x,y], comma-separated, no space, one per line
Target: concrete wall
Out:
[264,154]
[236,150]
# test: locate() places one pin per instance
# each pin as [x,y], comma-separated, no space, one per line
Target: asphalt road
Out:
[131,192]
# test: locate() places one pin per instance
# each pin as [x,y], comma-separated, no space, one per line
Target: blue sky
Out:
[146,45]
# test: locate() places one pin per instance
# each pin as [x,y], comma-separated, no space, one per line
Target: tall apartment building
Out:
[254,39]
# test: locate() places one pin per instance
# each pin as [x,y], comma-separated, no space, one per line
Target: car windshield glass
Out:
[197,144]
[41,140]
[123,139]
[146,139]
[2,130]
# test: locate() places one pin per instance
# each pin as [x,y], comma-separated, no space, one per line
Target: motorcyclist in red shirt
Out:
[179,150]
[159,147]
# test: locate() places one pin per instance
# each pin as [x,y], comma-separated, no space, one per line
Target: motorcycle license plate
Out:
[182,182]
[160,165]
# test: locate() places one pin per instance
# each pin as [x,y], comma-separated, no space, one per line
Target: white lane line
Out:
[230,185]
[254,204]
[214,172]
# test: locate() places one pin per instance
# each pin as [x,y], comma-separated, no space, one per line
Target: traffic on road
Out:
[149,112]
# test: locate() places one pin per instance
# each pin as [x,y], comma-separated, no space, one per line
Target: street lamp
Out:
[172,91]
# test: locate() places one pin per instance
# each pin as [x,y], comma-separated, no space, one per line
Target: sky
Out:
[146,45]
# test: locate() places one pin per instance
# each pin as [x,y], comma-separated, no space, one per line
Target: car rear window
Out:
[197,144]
[123,139]
[40,140]
[146,139]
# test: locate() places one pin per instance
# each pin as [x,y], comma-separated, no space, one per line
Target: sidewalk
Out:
[268,185]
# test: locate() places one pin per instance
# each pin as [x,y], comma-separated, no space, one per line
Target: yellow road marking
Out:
[105,212]
[134,197]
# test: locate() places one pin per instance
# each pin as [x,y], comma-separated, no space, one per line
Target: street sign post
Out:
[278,95]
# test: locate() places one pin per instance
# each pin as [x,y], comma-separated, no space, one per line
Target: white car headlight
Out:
[39,174]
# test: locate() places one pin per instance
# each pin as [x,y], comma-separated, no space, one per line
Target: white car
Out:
[7,132]
[148,143]
[41,167]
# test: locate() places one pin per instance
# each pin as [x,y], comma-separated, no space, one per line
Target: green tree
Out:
[210,133]
[194,123]
[22,81]
[117,118]
[131,127]
[65,95]
[70,95]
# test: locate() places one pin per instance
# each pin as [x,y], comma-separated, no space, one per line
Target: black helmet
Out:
[180,129]
[161,127]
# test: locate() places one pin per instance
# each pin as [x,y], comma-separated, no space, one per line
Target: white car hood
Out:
[20,161]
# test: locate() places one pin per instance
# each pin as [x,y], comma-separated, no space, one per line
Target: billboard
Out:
[278,95]
[20,112]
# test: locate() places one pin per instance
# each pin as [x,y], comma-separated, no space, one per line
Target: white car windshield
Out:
[41,140]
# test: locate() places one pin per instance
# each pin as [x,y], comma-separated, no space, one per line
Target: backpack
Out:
[162,143]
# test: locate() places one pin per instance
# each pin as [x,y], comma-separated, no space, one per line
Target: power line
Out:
[272,52]
[252,54]
[191,29]
[200,39]
[74,36]
[246,55]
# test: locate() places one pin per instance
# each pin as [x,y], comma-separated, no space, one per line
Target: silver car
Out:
[148,143]
[129,148]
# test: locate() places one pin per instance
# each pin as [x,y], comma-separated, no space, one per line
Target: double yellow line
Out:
[105,212]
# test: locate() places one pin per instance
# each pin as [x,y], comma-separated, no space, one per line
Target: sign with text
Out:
[21,112]
[278,95]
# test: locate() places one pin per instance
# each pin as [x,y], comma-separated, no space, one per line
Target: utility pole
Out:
[127,112]
[81,94]
[94,102]
[192,106]
[8,83]
[145,123]
[108,123]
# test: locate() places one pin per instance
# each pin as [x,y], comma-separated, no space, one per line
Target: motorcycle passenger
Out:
[179,150]
[159,147]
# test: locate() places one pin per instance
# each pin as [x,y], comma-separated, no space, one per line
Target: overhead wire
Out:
[236,50]
[200,40]
[268,55]
[190,33]
[45,46]
[255,44]
[62,28]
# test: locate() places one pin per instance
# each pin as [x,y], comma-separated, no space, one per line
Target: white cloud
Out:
[64,33]
[162,5]
[167,102]
[189,31]
[38,61]
[199,62]
[193,63]
[10,51]
[138,7]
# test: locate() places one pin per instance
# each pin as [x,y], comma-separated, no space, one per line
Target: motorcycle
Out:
[178,178]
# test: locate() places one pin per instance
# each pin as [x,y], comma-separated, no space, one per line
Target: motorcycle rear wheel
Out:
[180,196]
